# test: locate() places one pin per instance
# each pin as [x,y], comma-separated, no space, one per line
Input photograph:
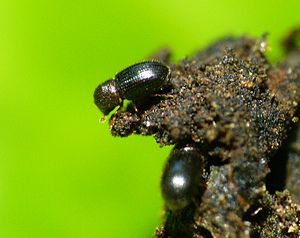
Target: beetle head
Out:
[106,96]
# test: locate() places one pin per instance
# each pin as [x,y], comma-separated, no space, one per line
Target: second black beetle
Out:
[183,176]
[133,83]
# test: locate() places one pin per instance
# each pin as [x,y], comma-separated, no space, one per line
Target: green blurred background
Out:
[61,172]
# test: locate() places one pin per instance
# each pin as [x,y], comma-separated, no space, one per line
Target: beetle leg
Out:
[121,107]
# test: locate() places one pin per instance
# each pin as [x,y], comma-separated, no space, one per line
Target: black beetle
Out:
[182,178]
[133,83]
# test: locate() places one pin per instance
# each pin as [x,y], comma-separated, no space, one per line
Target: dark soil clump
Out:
[240,110]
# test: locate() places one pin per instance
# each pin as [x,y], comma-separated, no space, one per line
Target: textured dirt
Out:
[242,112]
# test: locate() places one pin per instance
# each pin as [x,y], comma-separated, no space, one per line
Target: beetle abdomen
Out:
[142,79]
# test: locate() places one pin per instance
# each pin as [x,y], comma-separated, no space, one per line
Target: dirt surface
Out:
[242,112]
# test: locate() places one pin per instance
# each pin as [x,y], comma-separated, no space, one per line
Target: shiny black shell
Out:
[182,177]
[142,79]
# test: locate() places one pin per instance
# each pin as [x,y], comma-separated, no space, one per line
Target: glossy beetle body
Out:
[182,177]
[133,83]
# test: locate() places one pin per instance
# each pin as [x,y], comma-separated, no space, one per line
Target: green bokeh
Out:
[61,172]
